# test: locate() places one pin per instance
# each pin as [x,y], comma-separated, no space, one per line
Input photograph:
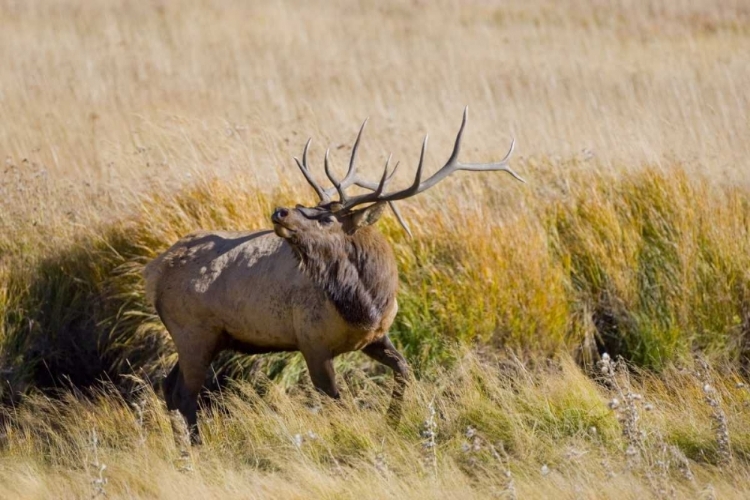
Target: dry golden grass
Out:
[106,99]
[124,125]
[500,431]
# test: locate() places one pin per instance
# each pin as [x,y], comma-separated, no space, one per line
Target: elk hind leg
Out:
[171,397]
[383,351]
[194,360]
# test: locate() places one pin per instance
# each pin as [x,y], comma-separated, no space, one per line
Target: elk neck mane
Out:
[357,272]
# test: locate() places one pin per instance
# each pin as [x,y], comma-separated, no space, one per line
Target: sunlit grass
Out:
[500,427]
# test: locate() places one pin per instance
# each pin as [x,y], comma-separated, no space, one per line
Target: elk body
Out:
[323,282]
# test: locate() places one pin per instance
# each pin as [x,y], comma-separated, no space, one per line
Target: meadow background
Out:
[125,125]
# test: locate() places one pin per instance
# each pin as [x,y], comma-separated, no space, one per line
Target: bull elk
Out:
[323,282]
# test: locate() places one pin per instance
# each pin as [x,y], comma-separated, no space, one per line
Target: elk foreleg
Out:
[168,386]
[383,351]
[320,366]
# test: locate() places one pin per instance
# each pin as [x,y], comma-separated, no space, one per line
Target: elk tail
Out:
[151,274]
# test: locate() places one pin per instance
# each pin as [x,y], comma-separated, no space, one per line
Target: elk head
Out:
[345,216]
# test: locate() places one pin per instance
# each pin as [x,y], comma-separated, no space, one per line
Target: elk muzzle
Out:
[280,223]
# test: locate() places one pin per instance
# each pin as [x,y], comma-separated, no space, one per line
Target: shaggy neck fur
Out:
[357,272]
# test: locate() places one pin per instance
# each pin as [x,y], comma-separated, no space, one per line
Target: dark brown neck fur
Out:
[357,272]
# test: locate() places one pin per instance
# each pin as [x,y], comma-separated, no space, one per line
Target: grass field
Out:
[125,125]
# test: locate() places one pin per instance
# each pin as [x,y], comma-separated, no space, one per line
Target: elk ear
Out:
[367,216]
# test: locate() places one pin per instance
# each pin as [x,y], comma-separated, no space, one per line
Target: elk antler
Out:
[419,186]
[377,190]
[306,172]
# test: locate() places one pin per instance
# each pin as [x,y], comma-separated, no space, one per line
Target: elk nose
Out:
[280,214]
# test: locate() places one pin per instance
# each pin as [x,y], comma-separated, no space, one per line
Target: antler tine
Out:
[372,186]
[414,189]
[457,145]
[393,172]
[308,176]
[351,174]
[400,218]
[385,178]
[336,184]
[498,166]
[350,179]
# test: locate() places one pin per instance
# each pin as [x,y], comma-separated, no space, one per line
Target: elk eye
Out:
[328,220]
